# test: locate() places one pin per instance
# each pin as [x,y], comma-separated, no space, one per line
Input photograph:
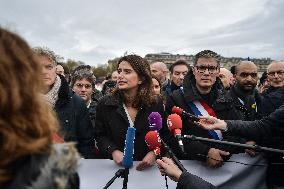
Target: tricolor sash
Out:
[201,108]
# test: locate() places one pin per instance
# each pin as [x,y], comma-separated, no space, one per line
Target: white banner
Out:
[94,174]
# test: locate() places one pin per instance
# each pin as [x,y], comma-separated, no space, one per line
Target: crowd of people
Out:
[50,115]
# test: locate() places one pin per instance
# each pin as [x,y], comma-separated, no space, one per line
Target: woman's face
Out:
[156,86]
[127,79]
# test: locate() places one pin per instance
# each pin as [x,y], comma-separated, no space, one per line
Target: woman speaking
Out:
[129,105]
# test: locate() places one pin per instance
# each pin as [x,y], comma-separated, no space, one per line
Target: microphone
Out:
[181,112]
[174,123]
[127,161]
[155,121]
[153,142]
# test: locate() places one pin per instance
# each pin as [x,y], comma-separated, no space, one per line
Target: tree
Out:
[72,64]
[100,71]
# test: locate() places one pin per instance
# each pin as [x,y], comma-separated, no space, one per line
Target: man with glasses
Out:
[82,85]
[273,97]
[275,73]
[203,94]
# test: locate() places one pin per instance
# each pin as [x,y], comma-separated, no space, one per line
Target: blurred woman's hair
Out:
[142,68]
[26,122]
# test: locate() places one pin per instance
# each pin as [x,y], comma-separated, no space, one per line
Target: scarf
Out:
[52,96]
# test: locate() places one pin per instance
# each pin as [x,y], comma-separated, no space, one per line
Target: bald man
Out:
[226,77]
[273,97]
[160,70]
[275,75]
[244,94]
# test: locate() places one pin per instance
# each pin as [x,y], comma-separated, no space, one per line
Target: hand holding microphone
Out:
[167,167]
[212,123]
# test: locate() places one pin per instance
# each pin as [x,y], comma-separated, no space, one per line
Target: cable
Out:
[166,179]
[238,162]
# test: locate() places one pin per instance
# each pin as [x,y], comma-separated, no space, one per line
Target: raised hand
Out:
[211,123]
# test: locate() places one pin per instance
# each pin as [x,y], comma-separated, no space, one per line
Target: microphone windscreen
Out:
[174,122]
[127,161]
[177,110]
[155,121]
[153,140]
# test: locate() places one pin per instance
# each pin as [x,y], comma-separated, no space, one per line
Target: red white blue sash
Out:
[201,108]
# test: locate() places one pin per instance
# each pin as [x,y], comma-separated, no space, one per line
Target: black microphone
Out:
[181,112]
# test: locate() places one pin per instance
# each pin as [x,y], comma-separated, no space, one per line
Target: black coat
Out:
[190,181]
[219,102]
[74,120]
[271,101]
[252,103]
[270,129]
[112,124]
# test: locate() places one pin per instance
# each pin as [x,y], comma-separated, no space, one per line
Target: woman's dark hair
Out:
[154,77]
[142,68]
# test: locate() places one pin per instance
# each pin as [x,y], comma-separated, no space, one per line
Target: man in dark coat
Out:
[268,128]
[273,97]
[203,87]
[245,97]
[178,71]
[72,113]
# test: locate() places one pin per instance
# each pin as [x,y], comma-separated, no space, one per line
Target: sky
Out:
[94,31]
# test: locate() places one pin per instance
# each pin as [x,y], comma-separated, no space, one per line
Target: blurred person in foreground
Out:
[72,113]
[129,106]
[268,129]
[28,158]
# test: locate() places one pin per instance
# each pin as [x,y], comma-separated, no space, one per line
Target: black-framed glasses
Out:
[280,73]
[80,85]
[202,69]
